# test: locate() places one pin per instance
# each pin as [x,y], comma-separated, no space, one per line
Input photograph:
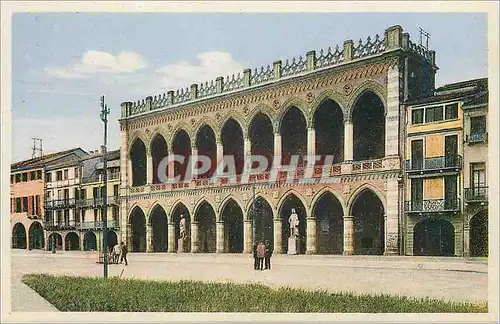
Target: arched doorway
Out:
[112,239]
[479,234]
[138,158]
[293,132]
[36,236]
[159,151]
[263,223]
[369,230]
[329,131]
[138,228]
[329,224]
[232,216]
[205,216]
[232,143]
[368,118]
[179,211]
[434,237]
[262,137]
[19,236]
[72,242]
[181,145]
[89,241]
[55,238]
[158,219]
[293,202]
[207,146]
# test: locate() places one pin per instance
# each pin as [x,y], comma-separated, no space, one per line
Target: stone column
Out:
[129,171]
[220,153]
[80,237]
[348,141]
[311,235]
[392,114]
[171,237]
[219,241]
[277,145]
[247,236]
[129,238]
[311,141]
[149,238]
[348,235]
[392,218]
[149,169]
[171,166]
[247,146]
[27,239]
[458,240]
[194,156]
[466,241]
[278,242]
[195,246]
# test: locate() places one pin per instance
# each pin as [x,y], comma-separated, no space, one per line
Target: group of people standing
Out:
[262,252]
[119,253]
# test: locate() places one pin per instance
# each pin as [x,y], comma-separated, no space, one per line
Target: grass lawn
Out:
[84,294]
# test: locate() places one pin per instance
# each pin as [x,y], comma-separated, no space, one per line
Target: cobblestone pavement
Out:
[444,278]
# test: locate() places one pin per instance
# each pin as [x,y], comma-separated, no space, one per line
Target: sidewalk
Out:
[25,299]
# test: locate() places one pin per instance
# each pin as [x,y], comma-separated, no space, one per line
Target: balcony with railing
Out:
[99,201]
[97,225]
[436,164]
[476,194]
[59,203]
[52,225]
[100,177]
[476,138]
[432,205]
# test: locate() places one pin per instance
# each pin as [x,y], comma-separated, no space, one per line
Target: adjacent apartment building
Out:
[445,173]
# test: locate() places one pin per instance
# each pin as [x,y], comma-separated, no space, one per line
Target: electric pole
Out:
[104,118]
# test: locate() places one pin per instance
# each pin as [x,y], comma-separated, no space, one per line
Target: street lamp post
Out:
[104,118]
[254,214]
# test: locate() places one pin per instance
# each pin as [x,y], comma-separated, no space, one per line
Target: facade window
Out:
[32,175]
[115,190]
[66,217]
[477,128]
[417,116]
[25,177]
[433,114]
[59,217]
[18,177]
[478,175]
[96,215]
[11,178]
[83,215]
[37,203]
[451,111]
[77,215]
[76,173]
[18,205]
[83,193]
[116,211]
[96,192]
[417,193]
[66,174]
[48,177]
[25,204]
[59,176]
[39,175]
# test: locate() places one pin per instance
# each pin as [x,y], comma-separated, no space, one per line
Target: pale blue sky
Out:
[63,63]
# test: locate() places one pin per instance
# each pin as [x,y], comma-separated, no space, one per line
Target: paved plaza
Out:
[444,278]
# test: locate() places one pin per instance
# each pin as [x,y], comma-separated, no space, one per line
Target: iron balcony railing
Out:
[433,205]
[98,224]
[435,163]
[476,138]
[61,225]
[91,202]
[100,178]
[476,194]
[59,203]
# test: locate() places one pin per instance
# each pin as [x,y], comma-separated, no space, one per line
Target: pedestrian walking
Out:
[124,253]
[255,259]
[269,253]
[117,251]
[261,253]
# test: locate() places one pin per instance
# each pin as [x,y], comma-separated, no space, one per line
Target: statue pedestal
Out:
[180,246]
[292,245]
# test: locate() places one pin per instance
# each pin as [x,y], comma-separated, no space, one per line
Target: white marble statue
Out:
[293,220]
[182,228]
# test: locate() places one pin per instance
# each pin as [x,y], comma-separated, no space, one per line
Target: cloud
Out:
[210,66]
[95,62]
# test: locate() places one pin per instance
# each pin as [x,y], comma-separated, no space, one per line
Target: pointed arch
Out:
[152,208]
[367,86]
[206,121]
[264,197]
[238,118]
[199,203]
[331,94]
[288,194]
[223,204]
[359,190]
[133,208]
[263,109]
[289,104]
[337,196]
[157,132]
[174,206]
[135,137]
[181,126]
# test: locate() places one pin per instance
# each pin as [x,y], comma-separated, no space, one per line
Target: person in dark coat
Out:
[269,253]
[261,253]
[255,259]
[124,253]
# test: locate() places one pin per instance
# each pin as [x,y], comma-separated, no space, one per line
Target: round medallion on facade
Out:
[310,97]
[276,104]
[347,89]
[245,110]
[193,121]
[169,127]
[217,116]
[147,131]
